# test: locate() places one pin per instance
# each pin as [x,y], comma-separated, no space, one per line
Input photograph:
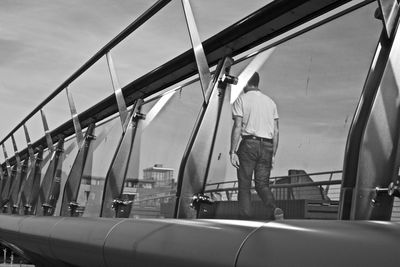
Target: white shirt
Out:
[258,112]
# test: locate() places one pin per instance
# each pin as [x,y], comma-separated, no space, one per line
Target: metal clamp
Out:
[27,209]
[199,199]
[47,209]
[120,206]
[90,137]
[15,209]
[73,207]
[388,12]
[117,203]
[391,190]
[229,79]
[139,116]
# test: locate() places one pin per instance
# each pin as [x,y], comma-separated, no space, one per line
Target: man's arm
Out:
[235,137]
[276,136]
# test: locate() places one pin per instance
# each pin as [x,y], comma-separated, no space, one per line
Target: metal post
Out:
[201,60]
[28,141]
[47,132]
[123,112]
[112,203]
[75,119]
[15,149]
[195,165]
[6,159]
[389,10]
[15,184]
[1,181]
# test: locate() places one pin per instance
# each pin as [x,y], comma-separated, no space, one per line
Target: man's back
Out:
[258,112]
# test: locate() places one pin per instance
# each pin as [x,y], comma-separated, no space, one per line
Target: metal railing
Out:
[181,67]
[285,187]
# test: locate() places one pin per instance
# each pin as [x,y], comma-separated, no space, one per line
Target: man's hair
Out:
[254,80]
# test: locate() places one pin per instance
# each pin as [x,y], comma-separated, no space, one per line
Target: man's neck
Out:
[252,89]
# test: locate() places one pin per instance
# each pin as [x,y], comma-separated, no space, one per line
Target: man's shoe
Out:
[278,214]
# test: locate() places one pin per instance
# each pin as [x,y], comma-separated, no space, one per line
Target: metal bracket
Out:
[28,141]
[201,60]
[7,161]
[136,114]
[139,116]
[388,13]
[1,176]
[393,190]
[118,205]
[73,206]
[47,209]
[17,157]
[199,199]
[59,149]
[90,137]
[14,209]
[119,202]
[47,132]
[75,119]
[27,209]
[123,111]
[229,79]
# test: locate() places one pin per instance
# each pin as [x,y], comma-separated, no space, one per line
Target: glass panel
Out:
[68,157]
[107,135]
[151,181]
[43,167]
[316,81]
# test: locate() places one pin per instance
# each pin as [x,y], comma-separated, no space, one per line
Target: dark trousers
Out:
[254,157]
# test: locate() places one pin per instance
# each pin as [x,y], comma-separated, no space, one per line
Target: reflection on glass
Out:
[316,80]
[99,159]
[68,157]
[151,180]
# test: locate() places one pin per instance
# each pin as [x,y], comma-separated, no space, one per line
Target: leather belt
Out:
[252,137]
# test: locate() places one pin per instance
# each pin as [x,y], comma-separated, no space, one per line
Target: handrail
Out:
[281,177]
[138,201]
[332,182]
[319,183]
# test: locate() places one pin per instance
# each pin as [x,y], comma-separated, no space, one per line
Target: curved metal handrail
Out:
[281,177]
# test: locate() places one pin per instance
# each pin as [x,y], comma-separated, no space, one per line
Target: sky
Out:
[315,79]
[43,42]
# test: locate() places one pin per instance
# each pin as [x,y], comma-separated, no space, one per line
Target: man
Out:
[256,121]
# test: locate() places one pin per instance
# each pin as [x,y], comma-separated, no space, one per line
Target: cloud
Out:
[10,51]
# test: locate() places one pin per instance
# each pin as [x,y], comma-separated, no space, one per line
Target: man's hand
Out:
[235,160]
